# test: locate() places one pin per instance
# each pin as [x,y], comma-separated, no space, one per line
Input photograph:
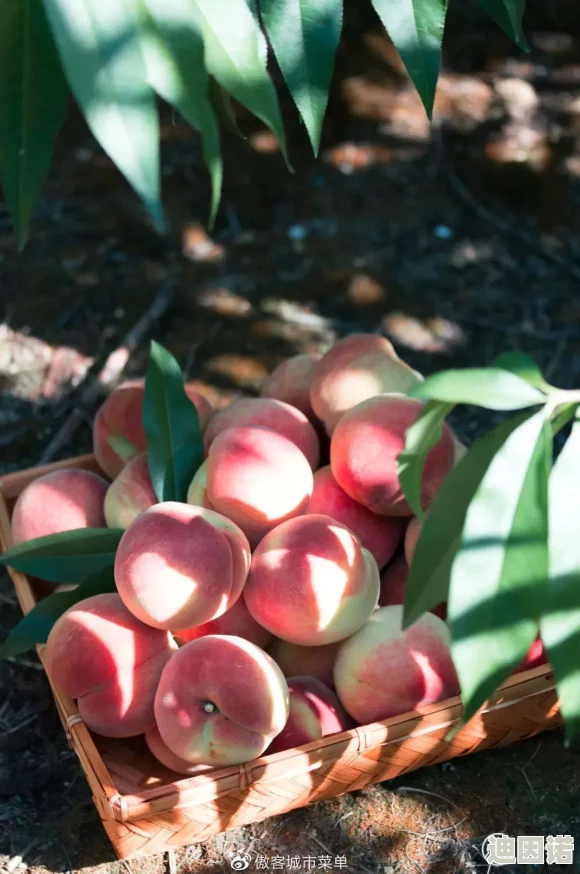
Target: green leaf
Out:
[304,35]
[508,14]
[523,366]
[428,581]
[416,28]
[36,625]
[224,108]
[66,557]
[172,428]
[172,46]
[33,100]
[420,438]
[560,621]
[236,54]
[499,575]
[488,387]
[98,41]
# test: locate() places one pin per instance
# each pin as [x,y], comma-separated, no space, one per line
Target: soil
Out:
[457,241]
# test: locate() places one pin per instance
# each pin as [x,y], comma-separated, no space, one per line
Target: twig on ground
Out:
[426,792]
[109,373]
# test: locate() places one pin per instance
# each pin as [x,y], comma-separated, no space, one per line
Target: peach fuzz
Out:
[355,369]
[364,450]
[221,700]
[59,501]
[163,754]
[269,413]
[290,382]
[100,654]
[236,621]
[315,712]
[383,671]
[257,478]
[118,433]
[393,585]
[311,583]
[177,566]
[379,534]
[130,494]
[305,661]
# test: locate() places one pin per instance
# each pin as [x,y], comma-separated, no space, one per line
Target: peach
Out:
[118,433]
[221,700]
[393,582]
[100,654]
[197,491]
[357,368]
[379,534]
[235,621]
[311,582]
[411,537]
[177,566]
[257,478]
[290,382]
[383,671]
[535,656]
[59,501]
[130,493]
[305,661]
[393,585]
[364,450]
[315,712]
[269,413]
[163,754]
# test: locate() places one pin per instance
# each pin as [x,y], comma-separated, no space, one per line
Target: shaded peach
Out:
[290,382]
[394,583]
[100,654]
[315,712]
[364,450]
[305,661]
[130,493]
[59,501]
[359,367]
[411,537]
[535,657]
[257,478]
[220,701]
[159,749]
[236,621]
[178,566]
[383,671]
[379,534]
[269,413]
[311,582]
[118,433]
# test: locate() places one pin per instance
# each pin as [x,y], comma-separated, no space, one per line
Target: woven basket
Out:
[148,809]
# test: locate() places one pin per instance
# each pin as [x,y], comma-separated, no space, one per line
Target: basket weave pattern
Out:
[147,809]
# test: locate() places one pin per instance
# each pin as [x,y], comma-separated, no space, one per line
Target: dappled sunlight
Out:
[436,335]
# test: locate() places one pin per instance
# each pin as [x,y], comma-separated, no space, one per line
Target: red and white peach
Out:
[364,450]
[315,712]
[311,582]
[221,701]
[383,670]
[62,500]
[100,654]
[178,566]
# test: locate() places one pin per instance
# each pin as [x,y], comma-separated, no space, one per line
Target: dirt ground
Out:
[458,242]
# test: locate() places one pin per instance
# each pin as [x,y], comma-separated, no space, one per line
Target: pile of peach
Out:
[265,612]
